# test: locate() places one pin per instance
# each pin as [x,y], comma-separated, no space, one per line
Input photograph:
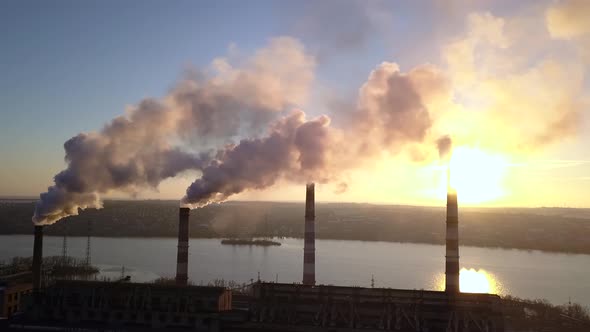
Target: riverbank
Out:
[545,229]
[526,274]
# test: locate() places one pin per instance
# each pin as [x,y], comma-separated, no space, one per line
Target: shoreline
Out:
[318,238]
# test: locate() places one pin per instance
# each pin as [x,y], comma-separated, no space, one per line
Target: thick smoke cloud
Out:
[149,144]
[294,149]
[140,150]
[391,113]
[393,106]
[129,154]
[243,99]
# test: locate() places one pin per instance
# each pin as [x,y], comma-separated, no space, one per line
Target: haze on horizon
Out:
[505,80]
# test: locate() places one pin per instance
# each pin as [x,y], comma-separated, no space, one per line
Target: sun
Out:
[476,175]
[474,281]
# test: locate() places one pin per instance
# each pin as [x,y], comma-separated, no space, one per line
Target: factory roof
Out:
[128,285]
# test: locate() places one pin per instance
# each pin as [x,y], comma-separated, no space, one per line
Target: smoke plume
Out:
[294,148]
[390,114]
[150,144]
[445,147]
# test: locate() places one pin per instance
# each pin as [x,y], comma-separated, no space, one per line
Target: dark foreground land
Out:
[549,229]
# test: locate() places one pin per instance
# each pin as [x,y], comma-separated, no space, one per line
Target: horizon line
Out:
[466,206]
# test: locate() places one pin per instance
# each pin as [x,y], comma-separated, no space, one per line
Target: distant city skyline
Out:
[515,96]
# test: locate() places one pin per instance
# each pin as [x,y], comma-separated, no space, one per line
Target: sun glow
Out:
[476,175]
[474,281]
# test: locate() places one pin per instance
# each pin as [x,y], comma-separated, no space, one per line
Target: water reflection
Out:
[474,281]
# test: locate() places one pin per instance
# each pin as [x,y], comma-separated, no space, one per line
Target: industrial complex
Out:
[263,306]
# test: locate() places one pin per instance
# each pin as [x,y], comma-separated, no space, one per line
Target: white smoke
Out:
[149,144]
[390,114]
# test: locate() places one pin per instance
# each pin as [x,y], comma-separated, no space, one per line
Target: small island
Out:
[250,242]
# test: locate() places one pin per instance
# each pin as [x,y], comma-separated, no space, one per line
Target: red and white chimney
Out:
[309,238]
[452,250]
[182,257]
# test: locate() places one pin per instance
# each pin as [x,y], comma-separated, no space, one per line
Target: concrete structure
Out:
[291,307]
[182,257]
[13,288]
[309,237]
[88,254]
[129,306]
[452,244]
[37,257]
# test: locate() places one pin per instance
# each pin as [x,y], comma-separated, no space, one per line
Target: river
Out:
[528,274]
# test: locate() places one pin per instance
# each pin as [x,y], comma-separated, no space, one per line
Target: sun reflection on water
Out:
[474,281]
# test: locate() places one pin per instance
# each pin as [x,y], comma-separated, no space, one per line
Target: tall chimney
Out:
[182,257]
[37,258]
[309,241]
[452,254]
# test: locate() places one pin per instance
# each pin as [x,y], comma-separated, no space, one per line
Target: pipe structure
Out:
[37,258]
[452,245]
[182,257]
[309,239]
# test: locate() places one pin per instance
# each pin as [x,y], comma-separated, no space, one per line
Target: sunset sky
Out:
[506,80]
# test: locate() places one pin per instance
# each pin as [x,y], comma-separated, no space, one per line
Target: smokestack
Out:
[309,242]
[182,258]
[452,254]
[37,258]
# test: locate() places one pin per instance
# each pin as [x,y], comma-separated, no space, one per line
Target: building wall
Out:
[312,307]
[12,296]
[80,303]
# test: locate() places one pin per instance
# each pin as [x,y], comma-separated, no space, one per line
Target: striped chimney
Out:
[37,258]
[452,253]
[309,241]
[182,258]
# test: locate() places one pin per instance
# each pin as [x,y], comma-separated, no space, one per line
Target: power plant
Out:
[263,306]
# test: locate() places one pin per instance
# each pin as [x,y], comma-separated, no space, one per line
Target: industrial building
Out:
[129,305]
[263,306]
[13,288]
[336,308]
[305,307]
